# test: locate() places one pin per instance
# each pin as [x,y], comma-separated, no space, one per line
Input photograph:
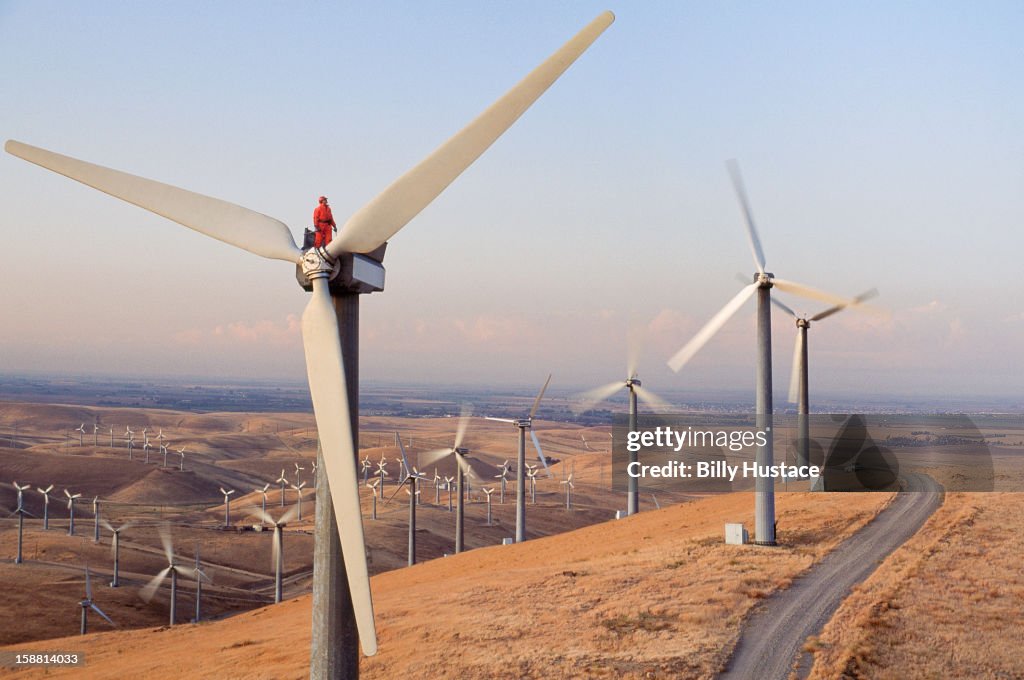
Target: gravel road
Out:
[774,635]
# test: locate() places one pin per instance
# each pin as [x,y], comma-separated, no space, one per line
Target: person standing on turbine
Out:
[323,221]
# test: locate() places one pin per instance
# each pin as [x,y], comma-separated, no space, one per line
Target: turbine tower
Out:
[95,519]
[524,424]
[88,604]
[81,433]
[181,464]
[330,326]
[298,499]
[412,478]
[764,281]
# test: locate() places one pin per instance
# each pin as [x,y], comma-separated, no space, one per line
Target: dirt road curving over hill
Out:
[774,635]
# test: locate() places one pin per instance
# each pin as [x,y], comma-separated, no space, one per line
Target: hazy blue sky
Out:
[881,144]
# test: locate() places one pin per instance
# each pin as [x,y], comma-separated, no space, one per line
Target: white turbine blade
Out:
[812,293]
[592,398]
[100,612]
[500,420]
[227,222]
[276,549]
[330,406]
[652,400]
[856,303]
[710,328]
[289,515]
[165,540]
[460,433]
[431,457]
[633,344]
[783,307]
[149,590]
[540,454]
[794,376]
[540,395]
[382,217]
[741,193]
[263,516]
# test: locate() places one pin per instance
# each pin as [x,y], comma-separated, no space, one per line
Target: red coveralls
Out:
[323,220]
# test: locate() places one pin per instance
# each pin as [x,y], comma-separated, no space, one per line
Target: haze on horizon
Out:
[881,145]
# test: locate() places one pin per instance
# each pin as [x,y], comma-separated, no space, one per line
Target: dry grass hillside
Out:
[946,604]
[655,595]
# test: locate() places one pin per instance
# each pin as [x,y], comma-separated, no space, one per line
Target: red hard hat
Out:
[323,198]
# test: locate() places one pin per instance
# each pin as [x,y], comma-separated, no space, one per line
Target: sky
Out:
[881,145]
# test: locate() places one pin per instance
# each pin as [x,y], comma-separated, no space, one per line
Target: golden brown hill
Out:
[655,595]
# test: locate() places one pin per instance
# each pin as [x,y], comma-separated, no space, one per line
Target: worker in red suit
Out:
[323,221]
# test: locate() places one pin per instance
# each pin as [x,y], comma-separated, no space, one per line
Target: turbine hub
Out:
[524,422]
[462,450]
[633,382]
[764,280]
[316,263]
[803,323]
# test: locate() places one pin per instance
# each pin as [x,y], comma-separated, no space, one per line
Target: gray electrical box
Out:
[735,534]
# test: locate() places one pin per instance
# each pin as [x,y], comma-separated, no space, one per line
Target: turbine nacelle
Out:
[347,273]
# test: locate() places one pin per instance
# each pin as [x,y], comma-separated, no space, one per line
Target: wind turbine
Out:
[200,575]
[264,492]
[374,485]
[81,433]
[131,444]
[111,436]
[298,471]
[115,547]
[88,604]
[145,446]
[332,347]
[298,501]
[46,505]
[448,485]
[412,478]
[95,519]
[798,378]
[227,506]
[569,486]
[282,480]
[181,464]
[524,424]
[366,468]
[597,395]
[382,470]
[503,476]
[487,492]
[71,511]
[163,449]
[531,473]
[278,551]
[764,281]
[21,512]
[95,434]
[462,471]
[171,569]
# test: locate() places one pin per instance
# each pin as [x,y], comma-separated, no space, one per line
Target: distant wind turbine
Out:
[525,424]
[88,604]
[115,547]
[172,569]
